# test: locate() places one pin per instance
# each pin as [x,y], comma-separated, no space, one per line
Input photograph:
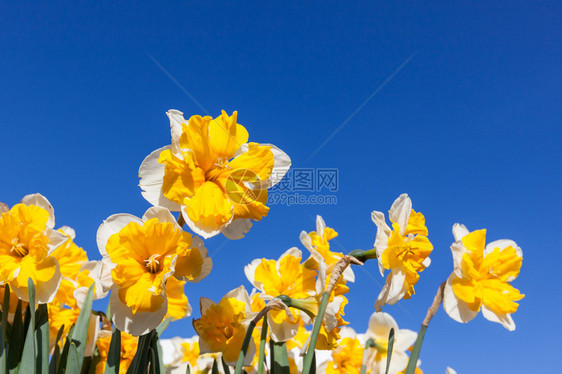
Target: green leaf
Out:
[281,359]
[55,360]
[155,346]
[307,364]
[42,338]
[389,350]
[16,341]
[6,309]
[73,363]
[413,361]
[28,355]
[140,361]
[162,326]
[188,370]
[215,369]
[114,354]
[263,340]
[3,352]
[65,351]
[80,334]
[245,345]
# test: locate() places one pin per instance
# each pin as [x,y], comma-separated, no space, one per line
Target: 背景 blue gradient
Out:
[469,128]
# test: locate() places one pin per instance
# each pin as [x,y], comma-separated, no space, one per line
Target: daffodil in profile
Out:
[212,174]
[380,325]
[404,250]
[481,278]
[143,255]
[222,326]
[27,241]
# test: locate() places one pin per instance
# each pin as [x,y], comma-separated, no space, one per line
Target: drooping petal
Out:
[237,228]
[454,306]
[136,324]
[504,319]
[151,174]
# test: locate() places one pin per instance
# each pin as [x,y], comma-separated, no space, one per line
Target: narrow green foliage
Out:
[263,340]
[140,361]
[6,311]
[114,354]
[3,352]
[245,345]
[370,343]
[215,369]
[80,335]
[162,326]
[413,361]
[73,363]
[188,370]
[156,364]
[281,361]
[15,345]
[42,338]
[65,350]
[28,355]
[55,360]
[314,336]
[390,348]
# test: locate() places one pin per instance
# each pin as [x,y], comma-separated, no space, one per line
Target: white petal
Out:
[112,225]
[504,319]
[333,307]
[426,262]
[502,244]
[306,241]
[398,362]
[347,332]
[106,280]
[93,332]
[4,208]
[450,371]
[237,228]
[162,214]
[320,226]
[176,128]
[459,231]
[68,231]
[283,331]
[394,289]
[458,250]
[455,307]
[404,339]
[136,324]
[42,202]
[250,271]
[151,174]
[199,230]
[348,274]
[241,294]
[400,212]
[44,291]
[56,238]
[381,240]
[380,324]
[97,273]
[204,304]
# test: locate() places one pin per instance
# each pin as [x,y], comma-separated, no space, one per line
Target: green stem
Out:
[413,362]
[263,338]
[245,345]
[314,336]
[362,255]
[370,343]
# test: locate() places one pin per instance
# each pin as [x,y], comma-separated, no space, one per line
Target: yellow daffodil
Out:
[380,325]
[481,276]
[178,353]
[212,174]
[348,357]
[27,241]
[286,276]
[222,326]
[404,250]
[129,346]
[317,242]
[142,255]
[65,317]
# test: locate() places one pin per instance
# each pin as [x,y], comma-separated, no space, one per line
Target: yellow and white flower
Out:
[222,327]
[27,241]
[143,254]
[481,276]
[129,345]
[212,174]
[380,325]
[404,250]
[348,356]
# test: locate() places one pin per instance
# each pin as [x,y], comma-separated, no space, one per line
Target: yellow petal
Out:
[258,159]
[209,208]
[181,176]
[226,135]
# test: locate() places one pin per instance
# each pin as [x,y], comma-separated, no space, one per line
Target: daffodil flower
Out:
[286,276]
[27,241]
[404,250]
[481,276]
[380,325]
[347,357]
[317,242]
[222,327]
[142,255]
[179,353]
[212,174]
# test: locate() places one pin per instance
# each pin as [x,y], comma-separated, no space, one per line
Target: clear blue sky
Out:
[470,128]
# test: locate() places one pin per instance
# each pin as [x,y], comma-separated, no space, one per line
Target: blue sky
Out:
[469,128]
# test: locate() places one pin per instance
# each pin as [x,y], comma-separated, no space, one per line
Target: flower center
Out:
[20,249]
[217,169]
[152,264]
